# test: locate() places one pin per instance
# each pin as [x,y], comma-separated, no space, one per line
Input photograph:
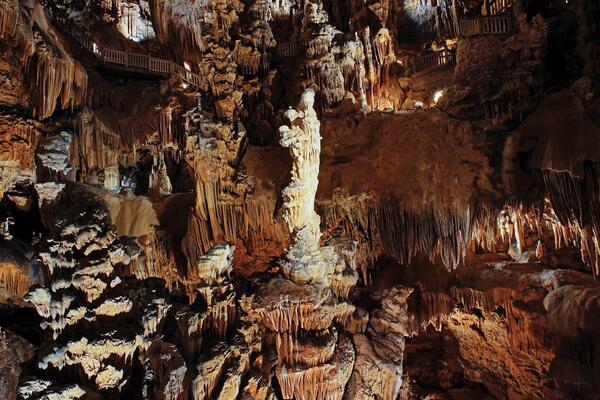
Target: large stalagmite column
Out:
[304,262]
[303,139]
[314,360]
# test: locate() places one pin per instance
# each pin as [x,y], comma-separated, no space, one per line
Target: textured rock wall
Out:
[170,247]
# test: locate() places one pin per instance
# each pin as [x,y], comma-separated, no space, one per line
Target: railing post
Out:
[126,58]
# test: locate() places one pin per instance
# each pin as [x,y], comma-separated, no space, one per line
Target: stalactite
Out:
[434,307]
[323,382]
[572,211]
[170,126]
[23,139]
[591,193]
[248,59]
[14,279]
[565,195]
[403,234]
[221,221]
[293,315]
[98,146]
[9,20]
[387,228]
[158,181]
[210,373]
[383,48]
[181,24]
[60,84]
[134,131]
[371,71]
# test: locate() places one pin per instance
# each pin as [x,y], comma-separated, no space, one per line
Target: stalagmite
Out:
[159,179]
[301,308]
[304,262]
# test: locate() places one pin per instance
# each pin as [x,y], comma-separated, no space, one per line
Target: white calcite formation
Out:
[32,388]
[85,307]
[314,361]
[214,267]
[134,23]
[320,66]
[159,179]
[210,282]
[48,191]
[54,155]
[304,262]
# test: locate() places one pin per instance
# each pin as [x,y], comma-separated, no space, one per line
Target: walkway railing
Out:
[431,61]
[488,25]
[287,49]
[129,60]
[497,7]
[262,13]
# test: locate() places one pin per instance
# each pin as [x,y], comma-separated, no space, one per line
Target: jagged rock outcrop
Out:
[82,294]
[15,350]
[506,77]
[380,353]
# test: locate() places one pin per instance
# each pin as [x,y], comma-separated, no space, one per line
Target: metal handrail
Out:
[129,60]
[431,61]
[497,7]
[487,25]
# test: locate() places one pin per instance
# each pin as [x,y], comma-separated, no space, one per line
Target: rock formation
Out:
[313,360]
[422,223]
[304,262]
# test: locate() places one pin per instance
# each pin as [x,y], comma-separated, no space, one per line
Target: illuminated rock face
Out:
[304,262]
[313,360]
[159,179]
[425,224]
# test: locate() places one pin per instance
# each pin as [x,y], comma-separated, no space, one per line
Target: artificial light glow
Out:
[187,66]
[437,96]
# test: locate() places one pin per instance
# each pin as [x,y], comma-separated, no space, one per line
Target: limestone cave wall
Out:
[299,199]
